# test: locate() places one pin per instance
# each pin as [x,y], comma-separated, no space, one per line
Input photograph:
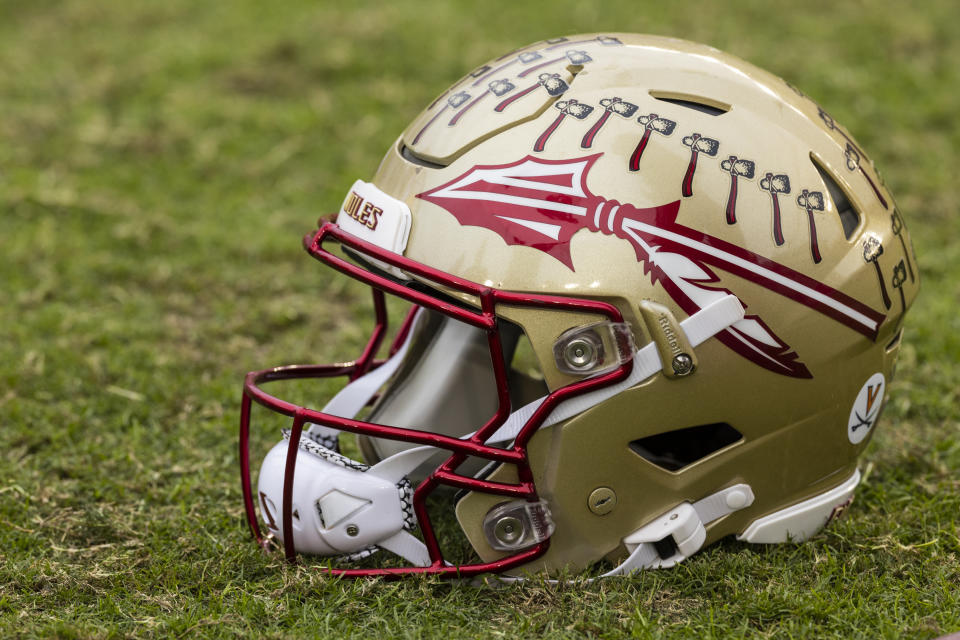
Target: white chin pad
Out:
[338,510]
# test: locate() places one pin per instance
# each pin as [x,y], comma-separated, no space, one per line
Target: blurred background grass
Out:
[159,162]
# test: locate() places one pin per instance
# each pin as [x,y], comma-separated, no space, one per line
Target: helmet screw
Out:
[353,530]
[682,364]
[602,501]
[508,530]
[580,353]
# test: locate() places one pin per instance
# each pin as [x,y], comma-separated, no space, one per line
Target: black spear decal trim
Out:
[737,168]
[651,122]
[572,108]
[812,201]
[872,250]
[698,144]
[775,183]
[552,82]
[899,277]
[897,223]
[496,87]
[610,105]
[852,156]
[453,101]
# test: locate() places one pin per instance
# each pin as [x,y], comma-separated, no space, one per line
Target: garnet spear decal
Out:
[812,201]
[610,105]
[573,56]
[736,167]
[453,101]
[775,183]
[542,203]
[496,87]
[698,144]
[872,250]
[897,223]
[650,122]
[552,82]
[567,108]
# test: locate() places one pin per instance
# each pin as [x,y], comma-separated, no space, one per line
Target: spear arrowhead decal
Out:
[542,203]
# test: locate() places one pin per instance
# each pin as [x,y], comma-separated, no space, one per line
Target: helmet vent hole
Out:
[413,158]
[849,217]
[697,103]
[677,449]
[895,341]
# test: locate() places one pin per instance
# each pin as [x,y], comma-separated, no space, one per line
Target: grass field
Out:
[159,163]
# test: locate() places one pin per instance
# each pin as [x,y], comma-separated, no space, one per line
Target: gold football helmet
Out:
[657,295]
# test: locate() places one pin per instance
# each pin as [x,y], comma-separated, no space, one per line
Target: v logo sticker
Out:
[872,392]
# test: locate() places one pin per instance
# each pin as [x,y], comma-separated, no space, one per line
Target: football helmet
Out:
[656,299]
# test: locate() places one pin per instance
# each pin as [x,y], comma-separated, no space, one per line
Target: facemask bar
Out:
[460,449]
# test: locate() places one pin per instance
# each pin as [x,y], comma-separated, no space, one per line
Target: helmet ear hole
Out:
[849,216]
[675,450]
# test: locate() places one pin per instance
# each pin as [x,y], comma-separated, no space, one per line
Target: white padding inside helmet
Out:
[446,385]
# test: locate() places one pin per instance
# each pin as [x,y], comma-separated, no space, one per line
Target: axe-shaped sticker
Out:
[698,144]
[852,155]
[775,183]
[872,250]
[610,105]
[737,168]
[812,201]
[899,277]
[552,82]
[608,41]
[453,101]
[496,87]
[897,223]
[525,57]
[570,107]
[573,56]
[651,122]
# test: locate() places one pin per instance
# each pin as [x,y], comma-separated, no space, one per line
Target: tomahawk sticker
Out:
[812,201]
[698,144]
[852,153]
[866,408]
[453,101]
[496,87]
[899,277]
[572,56]
[897,223]
[872,250]
[541,204]
[570,108]
[552,82]
[524,58]
[737,168]
[651,122]
[774,184]
[610,105]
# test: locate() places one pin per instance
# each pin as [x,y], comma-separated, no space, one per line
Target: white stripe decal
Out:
[631,225]
[549,230]
[519,201]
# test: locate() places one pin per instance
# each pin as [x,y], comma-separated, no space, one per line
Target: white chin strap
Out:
[348,478]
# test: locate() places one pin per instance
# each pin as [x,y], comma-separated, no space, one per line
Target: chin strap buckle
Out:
[680,532]
[674,536]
